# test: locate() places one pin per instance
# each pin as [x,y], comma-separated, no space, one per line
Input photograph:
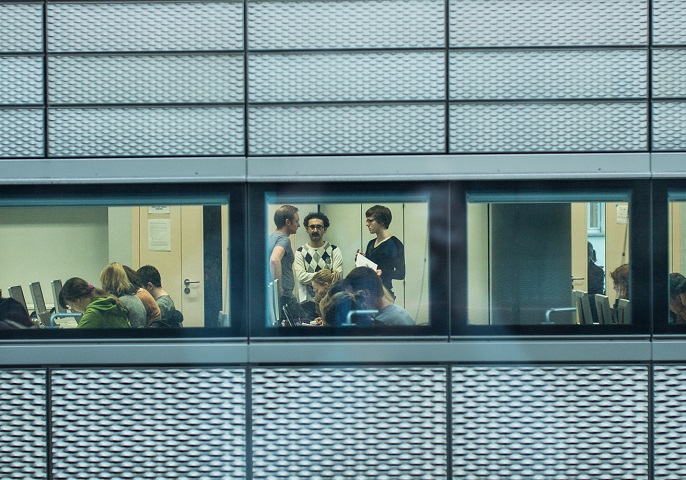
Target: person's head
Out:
[620,277]
[677,290]
[149,276]
[591,252]
[316,224]
[77,294]
[132,276]
[114,280]
[335,308]
[378,217]
[364,278]
[287,217]
[322,282]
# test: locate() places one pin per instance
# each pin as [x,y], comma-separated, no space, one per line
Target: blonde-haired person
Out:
[100,309]
[114,281]
[337,306]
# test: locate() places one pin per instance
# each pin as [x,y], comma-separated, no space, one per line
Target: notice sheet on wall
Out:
[159,235]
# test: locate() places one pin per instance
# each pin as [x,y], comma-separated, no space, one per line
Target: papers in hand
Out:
[362,261]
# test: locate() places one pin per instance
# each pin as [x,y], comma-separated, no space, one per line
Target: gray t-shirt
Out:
[394,315]
[137,314]
[287,280]
[166,305]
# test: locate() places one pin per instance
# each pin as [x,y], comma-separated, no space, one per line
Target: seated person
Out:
[115,282]
[620,278]
[152,282]
[366,279]
[152,310]
[336,306]
[677,289]
[13,315]
[321,283]
[100,309]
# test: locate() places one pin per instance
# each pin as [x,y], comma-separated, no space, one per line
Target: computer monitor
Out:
[42,311]
[623,311]
[17,293]
[583,307]
[602,305]
[56,289]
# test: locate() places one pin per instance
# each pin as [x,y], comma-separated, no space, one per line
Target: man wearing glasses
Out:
[312,257]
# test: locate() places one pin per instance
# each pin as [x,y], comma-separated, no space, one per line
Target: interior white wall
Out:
[49,243]
[120,237]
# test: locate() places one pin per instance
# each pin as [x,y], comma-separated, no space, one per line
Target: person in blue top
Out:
[280,253]
[386,250]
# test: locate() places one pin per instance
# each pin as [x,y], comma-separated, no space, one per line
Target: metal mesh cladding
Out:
[498,75]
[347,129]
[308,24]
[669,125]
[22,79]
[22,424]
[669,17]
[550,422]
[349,423]
[133,424]
[146,79]
[158,26]
[490,23]
[360,76]
[22,27]
[139,131]
[669,422]
[669,72]
[21,132]
[548,127]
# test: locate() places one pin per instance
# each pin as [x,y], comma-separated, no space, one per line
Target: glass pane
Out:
[677,259]
[67,266]
[316,277]
[543,263]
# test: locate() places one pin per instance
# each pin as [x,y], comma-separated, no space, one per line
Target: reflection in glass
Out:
[323,242]
[44,247]
[547,263]
[677,259]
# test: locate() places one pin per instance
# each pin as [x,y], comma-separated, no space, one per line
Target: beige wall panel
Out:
[477,264]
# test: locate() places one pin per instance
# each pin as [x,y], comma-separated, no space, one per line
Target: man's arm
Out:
[299,269]
[275,266]
[399,261]
[337,263]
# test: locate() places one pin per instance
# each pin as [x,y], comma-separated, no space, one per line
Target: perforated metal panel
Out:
[349,423]
[669,72]
[146,131]
[146,79]
[21,132]
[547,22]
[669,422]
[22,27]
[22,424]
[553,127]
[126,424]
[669,125]
[550,422]
[536,74]
[155,26]
[347,76]
[347,129]
[21,79]
[292,24]
[669,17]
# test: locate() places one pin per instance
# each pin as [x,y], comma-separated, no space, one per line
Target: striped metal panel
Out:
[316,24]
[669,18]
[177,131]
[669,72]
[548,74]
[347,77]
[133,424]
[347,129]
[21,132]
[21,80]
[669,430]
[155,26]
[349,423]
[669,125]
[23,424]
[146,79]
[491,23]
[550,422]
[22,27]
[548,127]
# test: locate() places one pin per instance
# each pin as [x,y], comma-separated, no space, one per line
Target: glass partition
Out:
[123,263]
[551,261]
[349,262]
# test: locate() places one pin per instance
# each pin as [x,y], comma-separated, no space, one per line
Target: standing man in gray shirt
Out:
[281,255]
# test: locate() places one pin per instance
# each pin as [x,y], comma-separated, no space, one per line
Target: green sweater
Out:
[104,313]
